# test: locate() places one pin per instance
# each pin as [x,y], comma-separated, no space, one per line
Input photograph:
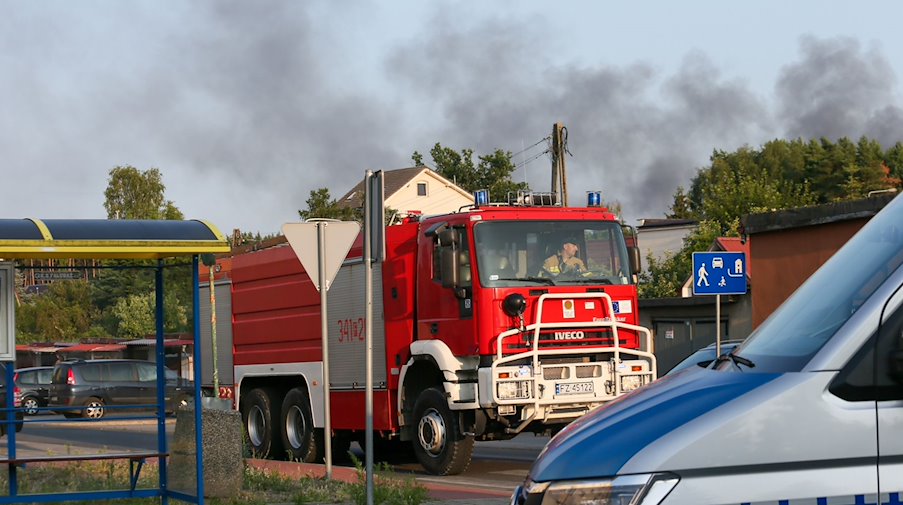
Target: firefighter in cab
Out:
[565,260]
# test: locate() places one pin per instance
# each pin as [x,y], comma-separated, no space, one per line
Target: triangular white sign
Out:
[339,236]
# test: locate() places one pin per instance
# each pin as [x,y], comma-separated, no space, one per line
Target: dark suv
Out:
[34,383]
[17,402]
[95,384]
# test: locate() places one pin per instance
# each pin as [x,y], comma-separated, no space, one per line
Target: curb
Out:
[437,491]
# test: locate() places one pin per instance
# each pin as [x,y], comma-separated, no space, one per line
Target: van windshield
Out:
[799,328]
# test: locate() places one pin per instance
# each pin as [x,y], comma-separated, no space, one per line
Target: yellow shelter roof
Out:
[107,238]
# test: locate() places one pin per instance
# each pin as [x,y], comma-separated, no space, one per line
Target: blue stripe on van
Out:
[601,442]
[859,499]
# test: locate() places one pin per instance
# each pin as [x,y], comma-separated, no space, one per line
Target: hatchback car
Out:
[93,385]
[34,383]
[704,356]
[17,402]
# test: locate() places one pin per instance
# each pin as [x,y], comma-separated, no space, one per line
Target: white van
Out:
[808,410]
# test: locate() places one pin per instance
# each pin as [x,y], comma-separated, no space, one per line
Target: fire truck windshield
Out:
[518,253]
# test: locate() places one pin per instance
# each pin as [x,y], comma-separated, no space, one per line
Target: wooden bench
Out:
[136,461]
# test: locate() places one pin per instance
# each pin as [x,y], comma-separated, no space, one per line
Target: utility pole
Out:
[559,174]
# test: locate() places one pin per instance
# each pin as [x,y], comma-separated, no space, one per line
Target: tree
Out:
[782,174]
[894,163]
[135,314]
[74,310]
[133,194]
[681,207]
[65,313]
[736,184]
[664,278]
[322,205]
[492,171]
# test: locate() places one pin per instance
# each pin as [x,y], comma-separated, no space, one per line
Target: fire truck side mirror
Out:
[448,261]
[448,237]
[636,264]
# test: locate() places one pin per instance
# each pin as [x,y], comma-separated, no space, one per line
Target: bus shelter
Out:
[164,243]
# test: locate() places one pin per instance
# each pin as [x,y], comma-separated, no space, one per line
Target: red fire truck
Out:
[474,336]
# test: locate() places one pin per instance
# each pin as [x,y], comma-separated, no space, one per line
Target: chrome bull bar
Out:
[543,404]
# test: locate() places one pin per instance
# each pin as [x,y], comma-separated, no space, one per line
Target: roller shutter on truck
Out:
[347,331]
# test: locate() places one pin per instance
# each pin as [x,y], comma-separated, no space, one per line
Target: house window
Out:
[421,189]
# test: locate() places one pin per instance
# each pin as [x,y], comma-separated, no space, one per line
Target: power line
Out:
[532,158]
[546,139]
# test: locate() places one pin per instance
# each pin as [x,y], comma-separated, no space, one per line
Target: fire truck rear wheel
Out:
[301,440]
[439,445]
[261,422]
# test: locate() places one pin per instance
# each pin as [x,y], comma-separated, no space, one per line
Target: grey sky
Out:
[246,107]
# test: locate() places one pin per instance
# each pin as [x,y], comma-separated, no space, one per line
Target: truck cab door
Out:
[446,312]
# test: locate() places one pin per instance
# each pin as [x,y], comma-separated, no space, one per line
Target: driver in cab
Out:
[565,260]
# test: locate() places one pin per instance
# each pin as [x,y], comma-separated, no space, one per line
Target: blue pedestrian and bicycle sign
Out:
[719,273]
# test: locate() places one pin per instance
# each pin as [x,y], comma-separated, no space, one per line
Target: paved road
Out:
[495,465]
[51,434]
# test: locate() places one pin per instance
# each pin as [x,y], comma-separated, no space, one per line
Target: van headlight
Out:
[648,489]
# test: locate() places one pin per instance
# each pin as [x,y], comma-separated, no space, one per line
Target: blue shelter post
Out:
[198,436]
[10,420]
[161,381]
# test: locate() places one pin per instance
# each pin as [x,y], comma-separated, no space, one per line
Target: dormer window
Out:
[421,189]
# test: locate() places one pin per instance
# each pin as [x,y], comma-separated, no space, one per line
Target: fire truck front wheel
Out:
[439,445]
[302,442]
[261,423]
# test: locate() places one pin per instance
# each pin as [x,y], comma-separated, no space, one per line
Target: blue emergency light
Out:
[593,198]
[481,197]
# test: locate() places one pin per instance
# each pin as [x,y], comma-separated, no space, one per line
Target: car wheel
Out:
[94,408]
[30,405]
[302,442]
[439,445]
[261,423]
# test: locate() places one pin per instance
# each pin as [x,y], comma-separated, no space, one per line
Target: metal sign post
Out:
[719,273]
[336,237]
[374,239]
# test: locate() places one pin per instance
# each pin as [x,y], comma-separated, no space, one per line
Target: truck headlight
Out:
[649,489]
[513,390]
[630,382]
